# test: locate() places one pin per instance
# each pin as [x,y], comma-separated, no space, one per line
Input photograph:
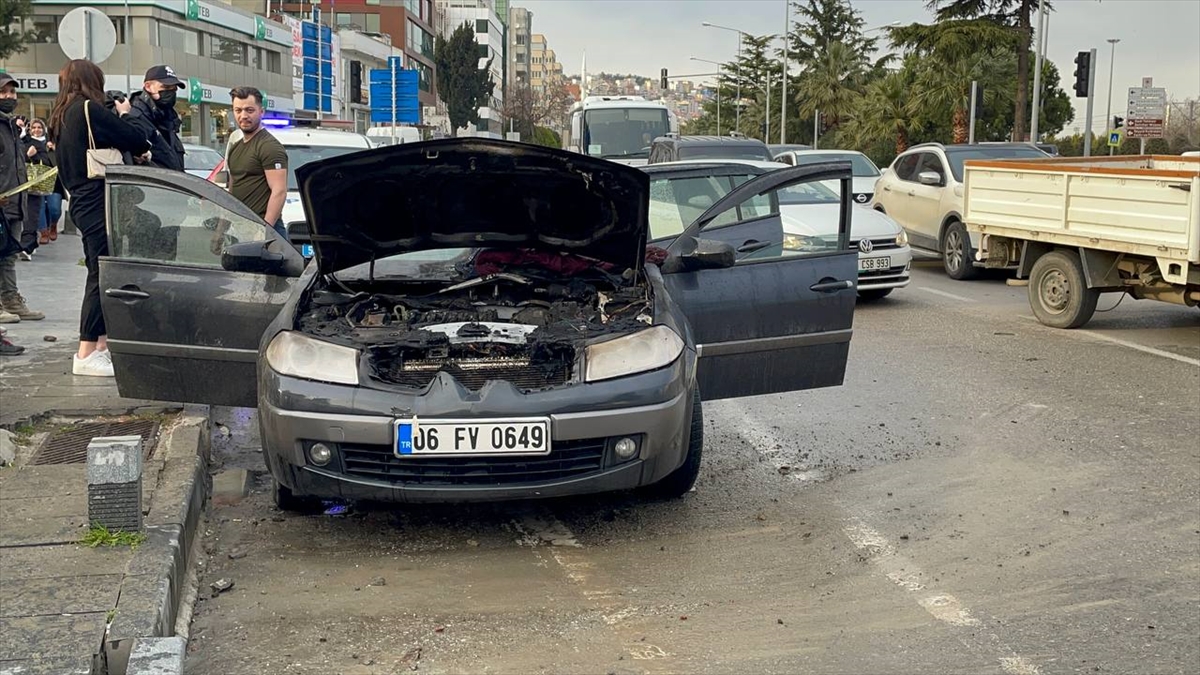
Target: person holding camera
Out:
[155,115]
[81,123]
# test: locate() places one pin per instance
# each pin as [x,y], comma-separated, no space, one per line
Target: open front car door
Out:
[780,317]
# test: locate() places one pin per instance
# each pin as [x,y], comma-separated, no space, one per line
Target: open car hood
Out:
[473,192]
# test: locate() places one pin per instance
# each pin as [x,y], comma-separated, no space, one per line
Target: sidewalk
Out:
[66,608]
[40,380]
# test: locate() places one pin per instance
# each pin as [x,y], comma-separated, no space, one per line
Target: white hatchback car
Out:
[809,213]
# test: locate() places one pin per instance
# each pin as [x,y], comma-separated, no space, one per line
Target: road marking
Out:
[944,294]
[1131,345]
[942,606]
[772,446]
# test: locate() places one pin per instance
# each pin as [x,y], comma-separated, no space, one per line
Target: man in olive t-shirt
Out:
[257,164]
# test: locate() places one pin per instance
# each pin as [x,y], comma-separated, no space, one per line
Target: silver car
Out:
[479,322]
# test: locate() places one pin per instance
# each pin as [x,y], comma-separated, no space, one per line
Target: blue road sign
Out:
[394,94]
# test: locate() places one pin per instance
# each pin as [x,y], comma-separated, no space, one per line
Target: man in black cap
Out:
[154,114]
[12,209]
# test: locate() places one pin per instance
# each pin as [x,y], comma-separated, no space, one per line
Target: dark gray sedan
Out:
[480,321]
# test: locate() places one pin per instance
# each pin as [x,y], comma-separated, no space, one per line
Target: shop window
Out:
[274,62]
[178,39]
[229,51]
[256,58]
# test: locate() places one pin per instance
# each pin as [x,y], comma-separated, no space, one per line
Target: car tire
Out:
[286,500]
[680,481]
[957,255]
[1058,291]
[874,295]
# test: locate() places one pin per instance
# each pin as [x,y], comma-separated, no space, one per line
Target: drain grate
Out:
[69,446]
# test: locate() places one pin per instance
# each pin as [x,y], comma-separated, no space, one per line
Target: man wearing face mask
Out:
[12,173]
[154,114]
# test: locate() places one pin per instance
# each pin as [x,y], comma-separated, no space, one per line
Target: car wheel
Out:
[286,500]
[1058,292]
[873,294]
[680,481]
[957,254]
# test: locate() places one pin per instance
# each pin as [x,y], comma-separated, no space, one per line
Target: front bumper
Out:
[895,275]
[581,461]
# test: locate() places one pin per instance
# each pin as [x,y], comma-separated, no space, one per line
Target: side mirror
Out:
[930,178]
[709,254]
[254,257]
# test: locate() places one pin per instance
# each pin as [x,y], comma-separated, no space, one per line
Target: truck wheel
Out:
[1058,292]
[678,482]
[957,255]
[873,294]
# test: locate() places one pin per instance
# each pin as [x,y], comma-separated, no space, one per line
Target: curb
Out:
[141,638]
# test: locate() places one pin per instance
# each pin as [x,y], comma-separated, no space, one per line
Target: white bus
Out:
[619,128]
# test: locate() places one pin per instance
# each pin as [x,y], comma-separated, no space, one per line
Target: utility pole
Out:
[787,19]
[767,116]
[816,127]
[1112,59]
[738,106]
[971,133]
[1037,72]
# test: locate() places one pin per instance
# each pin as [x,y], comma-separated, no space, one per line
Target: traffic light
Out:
[662,83]
[1083,68]
[1118,122]
[978,101]
[356,82]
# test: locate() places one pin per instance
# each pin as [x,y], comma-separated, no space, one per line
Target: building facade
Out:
[490,35]
[545,70]
[520,56]
[213,46]
[407,24]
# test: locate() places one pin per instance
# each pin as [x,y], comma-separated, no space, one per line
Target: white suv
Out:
[922,190]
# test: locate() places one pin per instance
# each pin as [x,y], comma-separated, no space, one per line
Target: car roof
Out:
[825,152]
[325,137]
[713,140]
[716,161]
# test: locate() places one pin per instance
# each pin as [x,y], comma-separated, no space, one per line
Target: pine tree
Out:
[461,83]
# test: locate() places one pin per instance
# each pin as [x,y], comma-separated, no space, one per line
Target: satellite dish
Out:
[87,33]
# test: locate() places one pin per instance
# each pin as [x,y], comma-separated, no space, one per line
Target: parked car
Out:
[511,345]
[680,191]
[923,191]
[200,160]
[865,171]
[778,149]
[673,148]
[304,146]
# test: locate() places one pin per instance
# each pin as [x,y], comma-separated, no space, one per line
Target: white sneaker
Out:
[97,364]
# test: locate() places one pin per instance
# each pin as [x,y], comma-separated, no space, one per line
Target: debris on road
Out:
[221,585]
[378,581]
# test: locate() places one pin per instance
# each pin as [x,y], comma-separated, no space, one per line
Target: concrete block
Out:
[115,459]
[157,656]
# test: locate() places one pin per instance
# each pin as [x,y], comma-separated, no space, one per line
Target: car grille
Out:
[879,274]
[879,244]
[475,373]
[567,459]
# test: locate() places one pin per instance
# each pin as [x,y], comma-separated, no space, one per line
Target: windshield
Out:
[809,193]
[957,157]
[860,166]
[724,151]
[299,155]
[428,264]
[201,159]
[623,132]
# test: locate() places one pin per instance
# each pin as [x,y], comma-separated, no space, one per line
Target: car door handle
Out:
[753,245]
[831,286]
[126,294]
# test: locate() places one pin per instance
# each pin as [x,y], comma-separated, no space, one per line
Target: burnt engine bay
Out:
[529,329]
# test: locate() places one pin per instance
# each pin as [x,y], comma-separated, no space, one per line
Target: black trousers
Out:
[89,219]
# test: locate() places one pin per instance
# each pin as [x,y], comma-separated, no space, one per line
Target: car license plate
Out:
[873,264]
[472,437]
[306,250]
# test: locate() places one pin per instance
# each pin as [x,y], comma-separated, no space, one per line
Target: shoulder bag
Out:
[98,159]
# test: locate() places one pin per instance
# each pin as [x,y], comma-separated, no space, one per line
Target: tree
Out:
[13,33]
[461,83]
[526,108]
[546,137]
[947,86]
[820,23]
[831,85]
[1013,15]
[887,110]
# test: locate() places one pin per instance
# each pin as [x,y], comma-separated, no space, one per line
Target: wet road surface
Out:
[983,495]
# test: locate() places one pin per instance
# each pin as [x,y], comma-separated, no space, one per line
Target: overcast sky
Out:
[1158,37]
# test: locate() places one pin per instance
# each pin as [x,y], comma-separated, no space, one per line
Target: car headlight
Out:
[800,242]
[638,352]
[902,238]
[297,355]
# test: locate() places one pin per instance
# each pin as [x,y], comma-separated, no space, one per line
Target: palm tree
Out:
[831,84]
[947,85]
[887,109]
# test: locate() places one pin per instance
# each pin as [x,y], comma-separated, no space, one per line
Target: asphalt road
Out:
[983,495]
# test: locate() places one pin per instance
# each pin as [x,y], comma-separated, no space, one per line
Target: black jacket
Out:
[43,152]
[71,145]
[161,128]
[12,169]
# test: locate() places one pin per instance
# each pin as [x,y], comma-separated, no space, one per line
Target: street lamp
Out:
[718,65]
[738,108]
[1111,60]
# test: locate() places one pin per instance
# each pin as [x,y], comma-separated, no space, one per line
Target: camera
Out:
[112,97]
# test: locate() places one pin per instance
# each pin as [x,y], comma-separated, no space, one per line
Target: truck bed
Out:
[1142,205]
